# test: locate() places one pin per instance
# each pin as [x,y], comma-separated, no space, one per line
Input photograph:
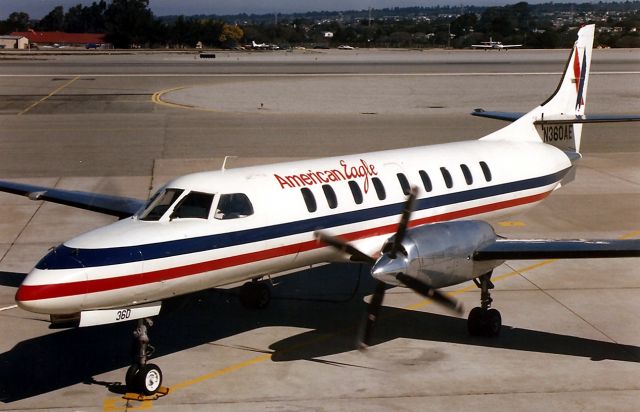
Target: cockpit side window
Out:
[195,205]
[233,206]
[159,204]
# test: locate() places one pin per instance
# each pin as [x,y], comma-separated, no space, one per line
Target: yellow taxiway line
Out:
[34,104]
[157,99]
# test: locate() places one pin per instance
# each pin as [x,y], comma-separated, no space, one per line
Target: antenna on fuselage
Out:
[224,162]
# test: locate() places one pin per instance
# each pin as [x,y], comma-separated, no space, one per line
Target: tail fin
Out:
[558,121]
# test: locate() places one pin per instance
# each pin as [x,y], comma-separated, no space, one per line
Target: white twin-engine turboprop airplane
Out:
[215,228]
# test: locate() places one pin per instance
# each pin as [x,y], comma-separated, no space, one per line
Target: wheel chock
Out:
[161,392]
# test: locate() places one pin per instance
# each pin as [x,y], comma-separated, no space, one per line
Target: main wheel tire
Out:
[475,321]
[255,295]
[130,378]
[493,323]
[149,379]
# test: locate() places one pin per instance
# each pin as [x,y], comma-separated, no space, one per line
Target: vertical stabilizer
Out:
[551,122]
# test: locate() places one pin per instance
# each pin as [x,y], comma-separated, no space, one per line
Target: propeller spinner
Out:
[391,264]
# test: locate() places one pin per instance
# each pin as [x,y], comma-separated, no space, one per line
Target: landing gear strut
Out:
[484,321]
[255,295]
[143,377]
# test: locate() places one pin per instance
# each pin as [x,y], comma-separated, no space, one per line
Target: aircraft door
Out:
[142,281]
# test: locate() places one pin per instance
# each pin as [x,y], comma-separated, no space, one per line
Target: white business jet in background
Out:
[215,228]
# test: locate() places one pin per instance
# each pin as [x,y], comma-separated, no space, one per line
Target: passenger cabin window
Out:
[486,171]
[159,204]
[377,184]
[309,199]
[447,177]
[233,206]
[195,205]
[467,174]
[426,181]
[404,183]
[355,191]
[330,194]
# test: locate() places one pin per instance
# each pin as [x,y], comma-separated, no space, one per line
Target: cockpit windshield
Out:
[159,204]
[194,205]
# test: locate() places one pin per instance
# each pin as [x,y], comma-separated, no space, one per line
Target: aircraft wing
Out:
[509,249]
[508,46]
[481,46]
[110,205]
[508,116]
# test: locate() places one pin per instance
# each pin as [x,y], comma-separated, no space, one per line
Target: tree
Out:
[128,22]
[93,17]
[464,24]
[54,21]
[18,21]
[74,20]
[231,35]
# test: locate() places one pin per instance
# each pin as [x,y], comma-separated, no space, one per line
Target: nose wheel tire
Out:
[149,379]
[130,377]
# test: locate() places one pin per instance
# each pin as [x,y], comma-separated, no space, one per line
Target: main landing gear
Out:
[484,321]
[142,377]
[255,295]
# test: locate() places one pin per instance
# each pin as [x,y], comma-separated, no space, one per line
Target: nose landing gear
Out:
[484,321]
[142,377]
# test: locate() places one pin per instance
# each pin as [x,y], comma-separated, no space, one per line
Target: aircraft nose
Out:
[52,291]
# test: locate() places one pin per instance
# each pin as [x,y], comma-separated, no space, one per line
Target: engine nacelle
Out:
[440,254]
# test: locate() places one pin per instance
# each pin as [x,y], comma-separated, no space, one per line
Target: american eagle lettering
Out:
[345,172]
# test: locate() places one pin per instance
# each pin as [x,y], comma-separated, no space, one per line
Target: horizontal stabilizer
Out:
[507,116]
[506,249]
[110,205]
[593,118]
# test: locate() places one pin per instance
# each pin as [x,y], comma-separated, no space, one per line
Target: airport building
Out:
[14,42]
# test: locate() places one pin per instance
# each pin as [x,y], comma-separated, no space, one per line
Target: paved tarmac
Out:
[120,124]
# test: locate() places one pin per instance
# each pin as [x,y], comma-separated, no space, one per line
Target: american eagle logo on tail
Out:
[578,70]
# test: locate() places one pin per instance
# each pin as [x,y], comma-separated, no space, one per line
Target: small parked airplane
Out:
[215,228]
[263,46]
[487,45]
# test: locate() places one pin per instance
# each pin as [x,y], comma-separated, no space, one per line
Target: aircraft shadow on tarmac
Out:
[327,300]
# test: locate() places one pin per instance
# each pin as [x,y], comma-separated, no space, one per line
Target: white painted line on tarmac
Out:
[440,74]
[8,307]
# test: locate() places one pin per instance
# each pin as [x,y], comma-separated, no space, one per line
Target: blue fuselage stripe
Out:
[64,257]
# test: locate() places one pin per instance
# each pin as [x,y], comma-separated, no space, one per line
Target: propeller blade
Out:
[373,308]
[404,222]
[428,292]
[341,245]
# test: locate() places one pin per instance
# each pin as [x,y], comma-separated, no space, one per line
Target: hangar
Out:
[58,38]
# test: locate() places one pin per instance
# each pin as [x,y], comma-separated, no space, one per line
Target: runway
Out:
[124,124]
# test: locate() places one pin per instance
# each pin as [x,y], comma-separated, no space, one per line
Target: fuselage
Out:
[214,228]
